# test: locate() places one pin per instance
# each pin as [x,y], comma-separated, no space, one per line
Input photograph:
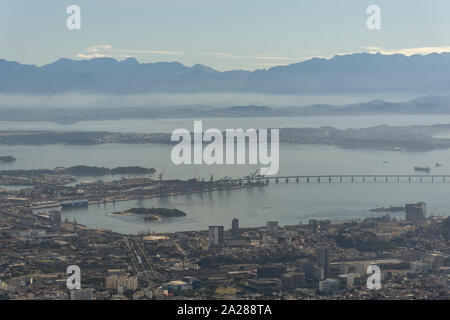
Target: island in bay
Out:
[7,159]
[152,214]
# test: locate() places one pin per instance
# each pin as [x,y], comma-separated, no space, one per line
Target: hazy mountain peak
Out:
[130,61]
[203,68]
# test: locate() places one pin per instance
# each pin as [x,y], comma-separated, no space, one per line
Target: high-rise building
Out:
[271,271]
[318,273]
[313,225]
[306,266]
[343,268]
[419,267]
[293,280]
[349,279]
[272,227]
[324,260]
[435,260]
[54,217]
[361,267]
[111,282]
[82,294]
[328,285]
[114,281]
[132,283]
[215,236]
[415,211]
[235,233]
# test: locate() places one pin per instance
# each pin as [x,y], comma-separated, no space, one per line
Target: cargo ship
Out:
[423,169]
[74,204]
[390,209]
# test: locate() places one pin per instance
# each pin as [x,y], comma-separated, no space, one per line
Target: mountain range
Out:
[346,74]
[423,105]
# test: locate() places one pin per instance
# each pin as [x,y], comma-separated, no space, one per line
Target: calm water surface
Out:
[288,203]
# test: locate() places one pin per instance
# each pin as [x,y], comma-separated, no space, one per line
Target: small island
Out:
[7,159]
[153,214]
[83,170]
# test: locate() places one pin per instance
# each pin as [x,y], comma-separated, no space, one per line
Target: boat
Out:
[390,209]
[74,204]
[438,164]
[424,169]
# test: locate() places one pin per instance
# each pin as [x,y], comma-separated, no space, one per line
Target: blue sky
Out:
[232,34]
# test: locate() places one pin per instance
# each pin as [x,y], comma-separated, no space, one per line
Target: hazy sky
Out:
[231,34]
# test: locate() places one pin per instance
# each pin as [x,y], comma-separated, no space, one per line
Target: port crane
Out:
[197,177]
[253,175]
[225,180]
[161,175]
[211,180]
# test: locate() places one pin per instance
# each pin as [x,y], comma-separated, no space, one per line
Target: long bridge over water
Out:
[347,178]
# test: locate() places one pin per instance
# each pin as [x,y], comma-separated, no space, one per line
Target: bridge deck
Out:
[352,177]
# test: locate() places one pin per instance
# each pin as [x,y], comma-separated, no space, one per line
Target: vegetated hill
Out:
[379,137]
[83,170]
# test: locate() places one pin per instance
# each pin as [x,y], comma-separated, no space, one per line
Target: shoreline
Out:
[379,137]
[180,193]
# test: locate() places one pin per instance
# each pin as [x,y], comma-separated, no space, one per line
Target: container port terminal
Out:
[62,189]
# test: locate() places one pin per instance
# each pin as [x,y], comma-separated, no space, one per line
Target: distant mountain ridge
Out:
[423,105]
[352,73]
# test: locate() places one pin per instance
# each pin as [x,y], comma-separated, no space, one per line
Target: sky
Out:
[225,35]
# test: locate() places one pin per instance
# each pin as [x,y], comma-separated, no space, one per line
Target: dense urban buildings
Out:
[321,259]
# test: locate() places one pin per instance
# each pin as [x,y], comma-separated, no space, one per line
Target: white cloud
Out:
[409,51]
[266,60]
[106,50]
[102,55]
[99,48]
[91,56]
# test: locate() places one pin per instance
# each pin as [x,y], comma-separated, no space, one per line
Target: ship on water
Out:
[423,169]
[73,204]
